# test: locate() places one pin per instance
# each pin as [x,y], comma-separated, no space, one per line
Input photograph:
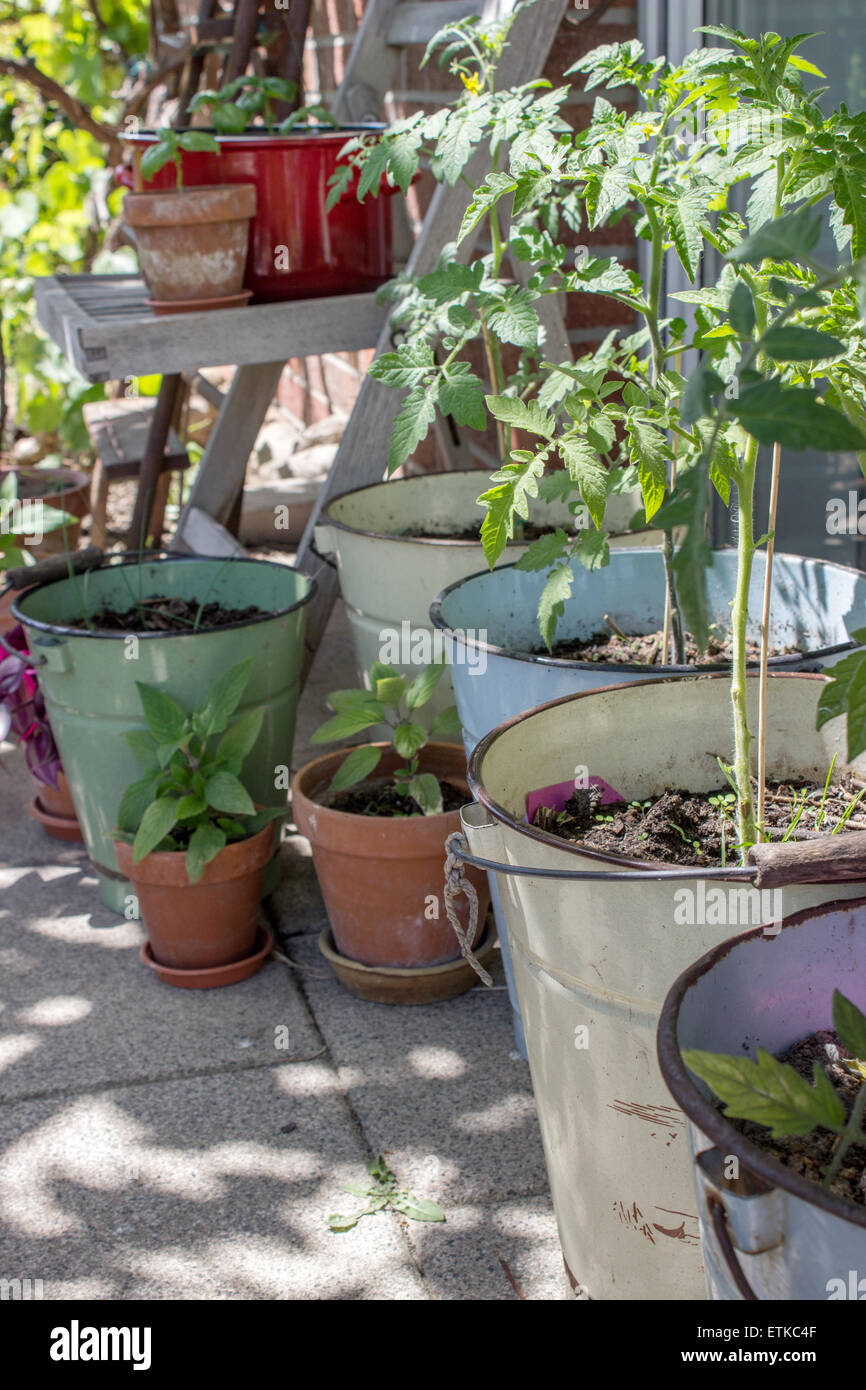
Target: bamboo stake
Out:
[765,637]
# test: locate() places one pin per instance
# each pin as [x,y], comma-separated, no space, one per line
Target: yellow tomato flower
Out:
[472,83]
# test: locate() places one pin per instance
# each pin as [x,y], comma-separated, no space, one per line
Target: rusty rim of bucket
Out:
[458,635]
[703,1113]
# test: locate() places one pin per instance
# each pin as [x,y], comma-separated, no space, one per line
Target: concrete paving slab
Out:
[438,1085]
[195,1190]
[79,1009]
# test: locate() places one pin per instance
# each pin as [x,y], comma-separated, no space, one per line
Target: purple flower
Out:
[22,712]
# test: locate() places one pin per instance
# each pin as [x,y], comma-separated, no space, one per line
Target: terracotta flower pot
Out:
[382,876]
[67,490]
[192,242]
[53,808]
[196,926]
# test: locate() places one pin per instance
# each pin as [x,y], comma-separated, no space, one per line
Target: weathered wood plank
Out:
[204,536]
[107,348]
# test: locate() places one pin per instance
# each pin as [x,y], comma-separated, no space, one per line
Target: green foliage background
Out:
[55,204]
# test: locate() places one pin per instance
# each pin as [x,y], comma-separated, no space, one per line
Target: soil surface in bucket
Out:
[162,614]
[681,827]
[810,1154]
[381,798]
[529,532]
[645,650]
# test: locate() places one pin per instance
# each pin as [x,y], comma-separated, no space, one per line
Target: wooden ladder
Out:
[387,26]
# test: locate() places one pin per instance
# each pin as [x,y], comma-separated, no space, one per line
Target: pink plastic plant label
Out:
[556,795]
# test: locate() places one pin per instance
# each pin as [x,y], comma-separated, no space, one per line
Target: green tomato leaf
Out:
[846,694]
[551,605]
[545,551]
[786,238]
[593,549]
[742,308]
[650,450]
[850,1025]
[770,1092]
[522,415]
[794,418]
[790,343]
[588,472]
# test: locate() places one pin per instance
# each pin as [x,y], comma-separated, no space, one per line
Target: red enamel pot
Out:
[297,249]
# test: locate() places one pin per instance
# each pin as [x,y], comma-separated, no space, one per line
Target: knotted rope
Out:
[456,883]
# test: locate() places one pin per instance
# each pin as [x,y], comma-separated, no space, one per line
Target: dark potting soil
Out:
[645,650]
[681,827]
[380,798]
[530,532]
[159,614]
[810,1154]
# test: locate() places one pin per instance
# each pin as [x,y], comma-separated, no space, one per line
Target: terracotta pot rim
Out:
[167,868]
[304,773]
[172,207]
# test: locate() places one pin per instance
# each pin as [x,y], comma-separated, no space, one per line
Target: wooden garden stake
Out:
[765,636]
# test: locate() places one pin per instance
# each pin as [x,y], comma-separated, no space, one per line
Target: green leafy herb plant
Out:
[392,701]
[191,797]
[774,1094]
[169,148]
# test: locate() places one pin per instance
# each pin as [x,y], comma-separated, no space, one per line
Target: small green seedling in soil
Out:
[772,1093]
[383,1194]
[169,148]
[233,107]
[392,700]
[191,797]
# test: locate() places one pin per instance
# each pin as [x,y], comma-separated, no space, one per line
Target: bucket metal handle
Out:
[460,850]
[719,1223]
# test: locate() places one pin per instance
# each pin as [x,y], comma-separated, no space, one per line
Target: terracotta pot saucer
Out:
[215,976]
[425,984]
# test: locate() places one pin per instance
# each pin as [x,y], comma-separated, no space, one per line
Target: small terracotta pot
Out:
[382,877]
[194,926]
[53,808]
[67,490]
[192,242]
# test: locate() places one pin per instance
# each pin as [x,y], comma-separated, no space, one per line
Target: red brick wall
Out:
[315,387]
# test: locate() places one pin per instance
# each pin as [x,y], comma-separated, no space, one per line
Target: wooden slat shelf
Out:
[104,326]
